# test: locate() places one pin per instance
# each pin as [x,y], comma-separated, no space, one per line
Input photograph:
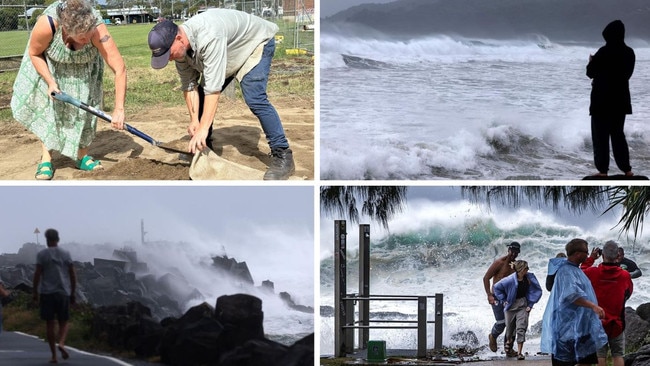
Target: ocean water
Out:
[446,248]
[454,108]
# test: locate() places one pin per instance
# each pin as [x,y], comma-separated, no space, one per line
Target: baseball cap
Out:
[514,246]
[161,38]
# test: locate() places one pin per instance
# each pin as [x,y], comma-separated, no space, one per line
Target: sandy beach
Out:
[237,137]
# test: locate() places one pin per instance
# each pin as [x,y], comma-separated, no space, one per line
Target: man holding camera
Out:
[613,286]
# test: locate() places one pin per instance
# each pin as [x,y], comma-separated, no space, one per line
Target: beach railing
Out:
[344,322]
[345,343]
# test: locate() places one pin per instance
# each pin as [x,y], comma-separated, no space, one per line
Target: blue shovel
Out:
[63,97]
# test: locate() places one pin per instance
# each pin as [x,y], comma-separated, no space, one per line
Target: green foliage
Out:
[22,315]
[34,18]
[9,18]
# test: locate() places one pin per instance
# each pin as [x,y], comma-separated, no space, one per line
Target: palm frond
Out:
[635,202]
[380,203]
[575,199]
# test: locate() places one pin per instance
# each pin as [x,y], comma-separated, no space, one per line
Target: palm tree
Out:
[380,203]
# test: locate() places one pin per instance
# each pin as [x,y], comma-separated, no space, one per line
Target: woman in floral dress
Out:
[66,52]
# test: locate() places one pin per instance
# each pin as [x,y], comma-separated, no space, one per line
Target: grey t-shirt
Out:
[56,263]
[222,40]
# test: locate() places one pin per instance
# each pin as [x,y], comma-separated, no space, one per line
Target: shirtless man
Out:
[499,269]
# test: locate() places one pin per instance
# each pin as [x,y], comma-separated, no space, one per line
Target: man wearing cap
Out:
[55,279]
[499,269]
[212,48]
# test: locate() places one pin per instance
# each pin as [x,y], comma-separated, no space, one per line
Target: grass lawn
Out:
[148,88]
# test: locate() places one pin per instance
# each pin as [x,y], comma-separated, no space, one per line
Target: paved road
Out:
[18,349]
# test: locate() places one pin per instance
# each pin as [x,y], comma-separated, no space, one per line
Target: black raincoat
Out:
[611,68]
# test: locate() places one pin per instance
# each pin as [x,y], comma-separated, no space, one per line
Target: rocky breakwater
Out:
[637,335]
[123,279]
[102,285]
[229,334]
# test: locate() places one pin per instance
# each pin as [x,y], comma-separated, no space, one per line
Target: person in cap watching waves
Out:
[215,47]
[499,269]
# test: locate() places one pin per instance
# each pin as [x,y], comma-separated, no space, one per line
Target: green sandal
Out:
[44,171]
[87,163]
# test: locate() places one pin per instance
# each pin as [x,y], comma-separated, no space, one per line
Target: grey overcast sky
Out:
[206,215]
[330,7]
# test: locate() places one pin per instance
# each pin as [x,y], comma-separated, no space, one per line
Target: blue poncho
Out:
[554,264]
[571,332]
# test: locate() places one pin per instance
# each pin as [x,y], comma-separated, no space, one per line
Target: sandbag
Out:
[207,165]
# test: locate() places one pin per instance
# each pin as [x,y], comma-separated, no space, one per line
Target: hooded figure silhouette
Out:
[610,70]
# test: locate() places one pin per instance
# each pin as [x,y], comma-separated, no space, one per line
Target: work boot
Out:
[281,166]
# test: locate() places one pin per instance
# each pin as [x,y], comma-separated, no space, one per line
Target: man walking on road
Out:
[499,269]
[58,281]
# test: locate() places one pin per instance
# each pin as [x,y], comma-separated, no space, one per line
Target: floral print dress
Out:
[60,126]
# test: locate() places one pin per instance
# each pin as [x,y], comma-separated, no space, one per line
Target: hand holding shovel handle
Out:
[63,97]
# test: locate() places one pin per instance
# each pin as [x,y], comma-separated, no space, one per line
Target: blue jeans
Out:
[500,317]
[253,86]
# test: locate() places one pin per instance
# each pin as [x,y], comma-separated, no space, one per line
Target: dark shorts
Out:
[591,360]
[55,306]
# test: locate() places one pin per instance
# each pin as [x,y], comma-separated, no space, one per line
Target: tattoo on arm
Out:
[105,38]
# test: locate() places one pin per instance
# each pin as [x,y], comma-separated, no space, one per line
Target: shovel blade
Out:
[184,154]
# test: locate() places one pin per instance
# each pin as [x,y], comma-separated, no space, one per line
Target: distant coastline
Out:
[560,21]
